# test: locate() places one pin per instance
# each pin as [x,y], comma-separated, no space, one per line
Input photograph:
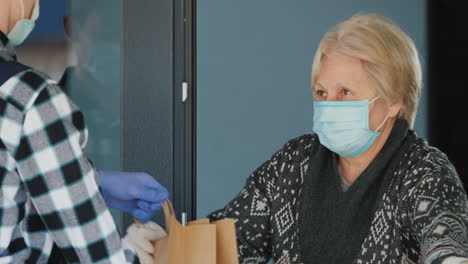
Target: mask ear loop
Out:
[386,118]
[373,100]
[22,9]
[381,125]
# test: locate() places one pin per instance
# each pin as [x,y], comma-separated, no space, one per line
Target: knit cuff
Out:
[451,259]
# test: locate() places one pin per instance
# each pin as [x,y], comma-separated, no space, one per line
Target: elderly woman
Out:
[364,188]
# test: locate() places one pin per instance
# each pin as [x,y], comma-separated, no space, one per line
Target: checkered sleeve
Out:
[61,181]
[251,209]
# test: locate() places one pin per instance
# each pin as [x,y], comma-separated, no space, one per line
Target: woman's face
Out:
[343,78]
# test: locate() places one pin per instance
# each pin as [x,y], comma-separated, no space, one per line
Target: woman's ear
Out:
[394,108]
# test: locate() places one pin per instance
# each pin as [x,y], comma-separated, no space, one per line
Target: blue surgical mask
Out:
[343,126]
[23,27]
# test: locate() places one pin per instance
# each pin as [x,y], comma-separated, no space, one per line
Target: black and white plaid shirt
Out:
[49,194]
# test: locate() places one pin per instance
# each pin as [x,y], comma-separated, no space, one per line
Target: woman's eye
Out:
[346,92]
[321,93]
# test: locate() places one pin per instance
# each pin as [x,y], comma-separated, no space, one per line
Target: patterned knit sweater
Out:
[422,216]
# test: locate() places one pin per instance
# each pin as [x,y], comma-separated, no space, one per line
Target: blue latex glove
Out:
[136,193]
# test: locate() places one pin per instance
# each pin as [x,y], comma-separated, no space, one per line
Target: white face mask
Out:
[24,27]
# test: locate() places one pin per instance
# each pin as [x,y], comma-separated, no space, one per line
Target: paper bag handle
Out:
[169,212]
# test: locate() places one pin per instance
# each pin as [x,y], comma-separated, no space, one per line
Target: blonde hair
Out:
[388,55]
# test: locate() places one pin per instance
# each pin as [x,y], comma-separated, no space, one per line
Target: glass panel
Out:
[93,81]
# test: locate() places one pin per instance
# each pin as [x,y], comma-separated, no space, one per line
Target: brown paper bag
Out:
[200,242]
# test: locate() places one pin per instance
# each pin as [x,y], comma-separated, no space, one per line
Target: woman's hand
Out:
[140,237]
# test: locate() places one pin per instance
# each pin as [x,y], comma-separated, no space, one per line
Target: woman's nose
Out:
[332,97]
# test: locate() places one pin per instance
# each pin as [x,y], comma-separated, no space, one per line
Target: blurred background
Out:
[246,66]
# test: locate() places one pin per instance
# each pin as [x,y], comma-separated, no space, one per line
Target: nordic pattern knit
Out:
[421,218]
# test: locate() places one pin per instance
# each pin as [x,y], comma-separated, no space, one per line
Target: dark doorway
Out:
[448,81]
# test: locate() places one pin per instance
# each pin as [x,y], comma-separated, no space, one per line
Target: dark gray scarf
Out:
[333,224]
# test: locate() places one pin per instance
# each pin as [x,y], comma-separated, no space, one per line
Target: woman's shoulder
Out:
[424,164]
[425,156]
[301,143]
[296,149]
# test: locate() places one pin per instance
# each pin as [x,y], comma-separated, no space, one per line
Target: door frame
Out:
[158,127]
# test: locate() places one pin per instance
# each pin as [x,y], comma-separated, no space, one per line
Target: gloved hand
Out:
[139,238]
[136,193]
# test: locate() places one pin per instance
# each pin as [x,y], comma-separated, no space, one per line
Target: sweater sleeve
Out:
[251,210]
[438,216]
